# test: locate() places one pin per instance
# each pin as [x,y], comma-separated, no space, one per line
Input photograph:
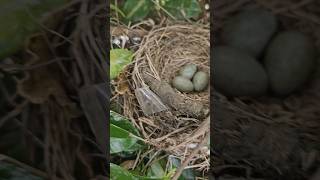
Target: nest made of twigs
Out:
[163,51]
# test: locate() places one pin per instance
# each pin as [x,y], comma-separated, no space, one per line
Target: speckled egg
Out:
[182,84]
[188,71]
[289,61]
[236,73]
[250,30]
[200,81]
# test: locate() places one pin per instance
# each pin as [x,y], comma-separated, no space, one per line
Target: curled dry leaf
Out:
[122,84]
[43,82]
[128,164]
[126,37]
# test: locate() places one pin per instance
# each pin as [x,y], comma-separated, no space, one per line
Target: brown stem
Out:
[189,158]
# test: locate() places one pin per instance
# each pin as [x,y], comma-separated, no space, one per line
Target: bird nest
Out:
[181,127]
[269,133]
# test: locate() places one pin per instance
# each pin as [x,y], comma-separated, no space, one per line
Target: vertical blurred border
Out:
[107,45]
[211,87]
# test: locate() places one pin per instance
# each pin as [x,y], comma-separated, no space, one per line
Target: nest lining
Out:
[167,49]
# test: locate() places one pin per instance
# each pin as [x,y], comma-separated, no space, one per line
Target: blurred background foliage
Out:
[137,10]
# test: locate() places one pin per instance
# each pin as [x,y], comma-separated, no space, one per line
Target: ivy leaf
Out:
[122,141]
[119,173]
[137,10]
[13,172]
[122,122]
[119,58]
[182,9]
[117,10]
[187,174]
[93,100]
[156,169]
[19,19]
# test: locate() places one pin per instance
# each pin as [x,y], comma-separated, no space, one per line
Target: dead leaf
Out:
[129,164]
[122,86]
[44,82]
[117,31]
[93,100]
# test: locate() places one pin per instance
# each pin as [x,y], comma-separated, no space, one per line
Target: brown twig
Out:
[24,166]
[189,158]
[18,109]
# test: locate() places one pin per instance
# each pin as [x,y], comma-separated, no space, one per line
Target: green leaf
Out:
[137,10]
[118,173]
[117,10]
[122,140]
[119,58]
[13,172]
[187,174]
[18,19]
[182,9]
[122,122]
[157,170]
